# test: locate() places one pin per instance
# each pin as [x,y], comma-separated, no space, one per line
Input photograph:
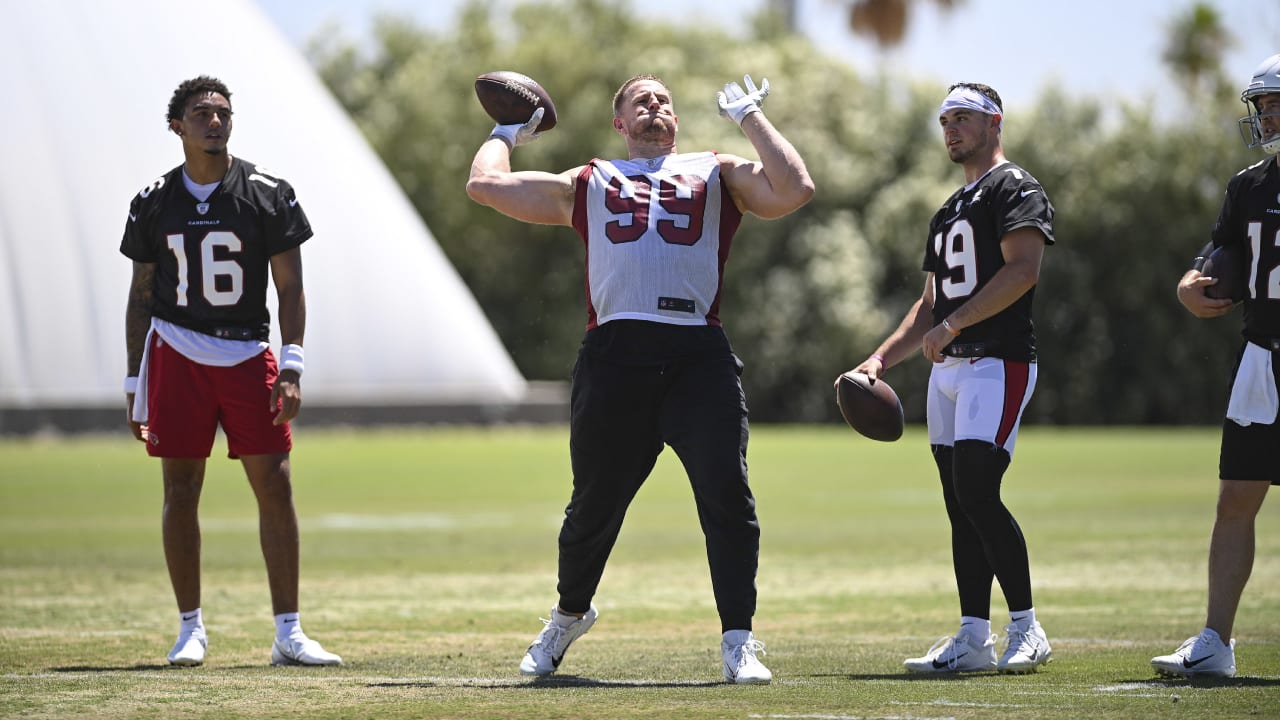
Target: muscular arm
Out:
[905,340]
[137,321]
[286,272]
[776,185]
[1022,249]
[532,196]
[137,315]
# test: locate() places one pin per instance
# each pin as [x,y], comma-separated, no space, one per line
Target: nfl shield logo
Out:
[202,208]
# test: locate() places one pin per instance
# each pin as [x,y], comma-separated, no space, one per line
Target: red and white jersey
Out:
[657,233]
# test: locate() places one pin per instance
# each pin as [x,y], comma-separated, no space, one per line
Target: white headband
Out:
[970,99]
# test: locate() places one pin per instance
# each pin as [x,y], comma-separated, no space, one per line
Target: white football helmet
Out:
[1265,81]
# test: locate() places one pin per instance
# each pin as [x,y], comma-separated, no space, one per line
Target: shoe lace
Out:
[1020,639]
[939,648]
[1187,648]
[549,639]
[748,651]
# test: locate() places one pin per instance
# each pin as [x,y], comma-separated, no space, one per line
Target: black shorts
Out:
[1249,453]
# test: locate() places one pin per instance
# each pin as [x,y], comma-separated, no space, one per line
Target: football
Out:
[873,409]
[510,98]
[1227,264]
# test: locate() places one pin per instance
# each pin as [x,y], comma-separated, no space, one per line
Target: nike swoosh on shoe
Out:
[1189,663]
[938,665]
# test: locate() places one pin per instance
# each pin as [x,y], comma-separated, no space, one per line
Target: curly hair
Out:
[189,88]
[617,97]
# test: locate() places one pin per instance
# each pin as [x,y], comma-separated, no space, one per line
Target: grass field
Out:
[428,556]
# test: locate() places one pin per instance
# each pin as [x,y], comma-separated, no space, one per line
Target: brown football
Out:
[873,409]
[510,98]
[1227,264]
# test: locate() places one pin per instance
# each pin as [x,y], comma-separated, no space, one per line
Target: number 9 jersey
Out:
[212,258]
[964,253]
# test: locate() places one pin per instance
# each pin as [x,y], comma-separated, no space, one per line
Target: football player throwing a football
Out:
[1247,467]
[973,322]
[655,367]
[202,239]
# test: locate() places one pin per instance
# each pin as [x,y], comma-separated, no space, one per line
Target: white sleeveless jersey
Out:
[657,234]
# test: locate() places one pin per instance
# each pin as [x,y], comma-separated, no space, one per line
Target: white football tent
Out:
[85,85]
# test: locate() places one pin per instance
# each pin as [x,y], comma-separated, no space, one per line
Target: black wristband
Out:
[1201,255]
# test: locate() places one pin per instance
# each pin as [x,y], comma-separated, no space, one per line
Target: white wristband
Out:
[291,358]
[131,385]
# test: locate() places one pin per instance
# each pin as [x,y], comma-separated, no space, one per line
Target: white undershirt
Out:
[195,346]
[202,192]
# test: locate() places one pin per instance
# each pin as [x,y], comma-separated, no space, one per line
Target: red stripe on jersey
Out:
[730,218]
[580,224]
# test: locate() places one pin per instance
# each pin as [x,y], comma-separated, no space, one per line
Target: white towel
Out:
[140,395]
[1253,396]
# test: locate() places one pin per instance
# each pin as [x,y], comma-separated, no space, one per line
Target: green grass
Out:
[428,556]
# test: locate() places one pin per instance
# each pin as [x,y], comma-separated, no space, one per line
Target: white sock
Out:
[563,619]
[287,625]
[1024,619]
[191,622]
[975,627]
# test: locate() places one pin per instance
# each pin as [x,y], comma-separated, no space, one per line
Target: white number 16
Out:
[210,268]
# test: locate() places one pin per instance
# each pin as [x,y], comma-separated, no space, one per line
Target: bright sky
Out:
[1016,46]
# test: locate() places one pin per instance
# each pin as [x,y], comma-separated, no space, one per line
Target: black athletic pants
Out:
[638,386]
[986,541]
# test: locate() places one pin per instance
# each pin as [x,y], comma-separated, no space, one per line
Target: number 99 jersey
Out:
[212,258]
[657,234]
[964,253]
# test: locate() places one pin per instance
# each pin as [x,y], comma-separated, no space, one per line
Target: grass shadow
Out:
[909,677]
[108,668]
[1209,682]
[561,681]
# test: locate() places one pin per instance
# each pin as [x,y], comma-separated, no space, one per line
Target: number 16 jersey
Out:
[212,257]
[657,234]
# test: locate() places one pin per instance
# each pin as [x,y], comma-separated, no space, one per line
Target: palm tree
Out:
[1194,49]
[885,21]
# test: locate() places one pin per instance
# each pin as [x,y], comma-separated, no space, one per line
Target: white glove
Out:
[736,104]
[520,134]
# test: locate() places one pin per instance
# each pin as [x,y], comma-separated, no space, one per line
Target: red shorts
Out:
[186,401]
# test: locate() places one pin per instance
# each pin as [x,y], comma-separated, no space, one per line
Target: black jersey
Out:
[212,258]
[1250,218]
[963,253]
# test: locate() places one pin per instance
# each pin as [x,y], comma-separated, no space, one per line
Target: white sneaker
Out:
[1025,650]
[188,651]
[1199,655]
[301,650]
[962,653]
[548,649]
[739,649]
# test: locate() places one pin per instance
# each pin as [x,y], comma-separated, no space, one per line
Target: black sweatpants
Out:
[638,386]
